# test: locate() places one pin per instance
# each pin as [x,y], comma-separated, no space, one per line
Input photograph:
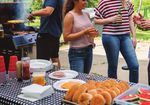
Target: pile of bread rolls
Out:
[96,92]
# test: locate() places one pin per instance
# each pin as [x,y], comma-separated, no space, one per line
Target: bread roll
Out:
[71,92]
[127,86]
[106,84]
[120,88]
[82,89]
[116,90]
[113,82]
[91,82]
[91,87]
[107,97]
[99,90]
[104,88]
[98,99]
[68,85]
[112,93]
[123,86]
[99,84]
[84,99]
[92,92]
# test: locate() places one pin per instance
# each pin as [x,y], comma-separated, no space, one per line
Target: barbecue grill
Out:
[17,36]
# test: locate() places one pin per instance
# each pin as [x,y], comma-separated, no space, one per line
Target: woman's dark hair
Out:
[68,5]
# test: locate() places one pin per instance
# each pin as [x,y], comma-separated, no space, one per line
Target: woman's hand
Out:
[137,19]
[91,31]
[116,19]
[145,24]
[30,17]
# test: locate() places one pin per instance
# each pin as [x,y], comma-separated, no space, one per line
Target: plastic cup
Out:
[12,67]
[2,70]
[12,63]
[2,64]
[38,78]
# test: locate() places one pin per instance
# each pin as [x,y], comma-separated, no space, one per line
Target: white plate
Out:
[57,85]
[37,65]
[69,74]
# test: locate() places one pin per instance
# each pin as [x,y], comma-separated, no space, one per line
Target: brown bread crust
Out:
[98,99]
[71,92]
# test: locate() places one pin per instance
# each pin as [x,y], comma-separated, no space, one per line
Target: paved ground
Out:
[100,63]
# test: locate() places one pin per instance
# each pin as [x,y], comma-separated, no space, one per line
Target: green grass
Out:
[143,35]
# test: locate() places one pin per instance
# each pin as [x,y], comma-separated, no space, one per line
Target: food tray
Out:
[131,90]
[66,102]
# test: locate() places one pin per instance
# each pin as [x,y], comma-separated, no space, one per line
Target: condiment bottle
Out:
[19,70]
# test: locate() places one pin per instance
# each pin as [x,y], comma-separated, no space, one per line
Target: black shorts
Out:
[47,46]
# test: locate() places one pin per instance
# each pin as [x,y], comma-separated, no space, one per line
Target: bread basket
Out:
[66,102]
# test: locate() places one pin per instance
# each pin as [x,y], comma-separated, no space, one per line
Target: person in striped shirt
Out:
[116,17]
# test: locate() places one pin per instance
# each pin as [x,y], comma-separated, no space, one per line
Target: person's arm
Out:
[113,19]
[68,25]
[132,30]
[42,12]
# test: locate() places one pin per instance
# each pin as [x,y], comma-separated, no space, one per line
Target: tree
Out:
[36,5]
[92,3]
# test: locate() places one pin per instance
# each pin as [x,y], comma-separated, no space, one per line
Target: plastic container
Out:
[132,90]
[39,78]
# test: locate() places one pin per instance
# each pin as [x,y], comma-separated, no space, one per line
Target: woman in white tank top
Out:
[80,33]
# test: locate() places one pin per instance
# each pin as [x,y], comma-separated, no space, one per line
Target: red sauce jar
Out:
[25,69]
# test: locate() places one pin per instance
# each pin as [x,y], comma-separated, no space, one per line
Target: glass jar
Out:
[1,31]
[55,66]
[25,69]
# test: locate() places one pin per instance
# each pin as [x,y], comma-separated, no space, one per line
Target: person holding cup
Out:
[143,24]
[117,21]
[80,33]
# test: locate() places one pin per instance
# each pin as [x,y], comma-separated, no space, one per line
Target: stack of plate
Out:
[40,65]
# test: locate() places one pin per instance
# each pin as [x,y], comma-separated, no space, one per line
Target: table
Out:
[9,92]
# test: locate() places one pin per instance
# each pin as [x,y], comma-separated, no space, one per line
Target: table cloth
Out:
[10,91]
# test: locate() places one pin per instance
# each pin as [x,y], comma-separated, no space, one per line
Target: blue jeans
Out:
[81,59]
[123,43]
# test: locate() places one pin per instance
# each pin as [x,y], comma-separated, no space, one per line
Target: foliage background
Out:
[145,10]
